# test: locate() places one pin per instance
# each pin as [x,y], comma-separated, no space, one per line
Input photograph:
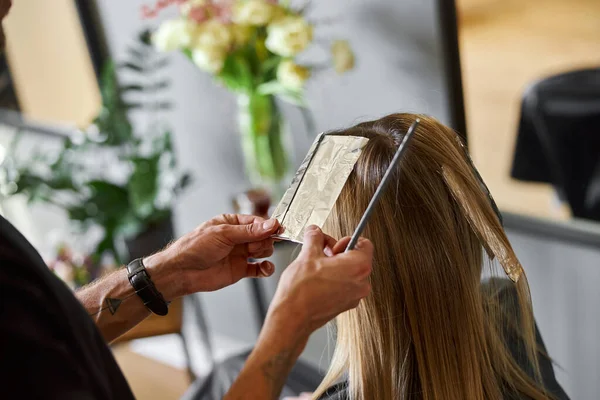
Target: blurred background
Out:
[123,126]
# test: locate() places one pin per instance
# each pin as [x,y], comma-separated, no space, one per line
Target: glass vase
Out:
[263,132]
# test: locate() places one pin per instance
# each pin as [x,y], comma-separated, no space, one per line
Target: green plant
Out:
[110,175]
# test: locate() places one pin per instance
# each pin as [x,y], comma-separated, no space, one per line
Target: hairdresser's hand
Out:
[214,255]
[316,288]
[312,290]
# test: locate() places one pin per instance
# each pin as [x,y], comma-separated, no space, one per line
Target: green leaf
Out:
[162,63]
[145,37]
[61,182]
[158,216]
[162,144]
[112,120]
[108,202]
[107,244]
[143,185]
[160,106]
[133,88]
[236,73]
[268,68]
[137,53]
[275,88]
[132,66]
[133,106]
[28,182]
[128,226]
[78,213]
[138,87]
[271,87]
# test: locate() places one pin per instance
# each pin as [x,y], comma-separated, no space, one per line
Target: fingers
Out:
[258,230]
[237,219]
[261,249]
[256,247]
[329,245]
[314,242]
[341,245]
[261,269]
[365,246]
[262,253]
[358,262]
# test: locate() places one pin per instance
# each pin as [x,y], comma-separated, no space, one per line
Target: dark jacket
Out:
[49,347]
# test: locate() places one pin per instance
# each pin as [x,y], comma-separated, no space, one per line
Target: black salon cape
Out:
[49,346]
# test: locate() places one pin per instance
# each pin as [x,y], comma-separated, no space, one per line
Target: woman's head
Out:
[426,331]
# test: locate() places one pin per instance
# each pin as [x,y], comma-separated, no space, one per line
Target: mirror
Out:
[50,66]
[505,47]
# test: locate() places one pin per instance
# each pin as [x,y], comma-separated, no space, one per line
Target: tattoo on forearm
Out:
[276,370]
[112,305]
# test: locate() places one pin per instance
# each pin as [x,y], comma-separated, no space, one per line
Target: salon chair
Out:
[558,139]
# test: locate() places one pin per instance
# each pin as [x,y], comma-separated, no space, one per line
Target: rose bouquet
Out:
[250,47]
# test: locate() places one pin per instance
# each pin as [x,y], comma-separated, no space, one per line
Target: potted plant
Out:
[111,175]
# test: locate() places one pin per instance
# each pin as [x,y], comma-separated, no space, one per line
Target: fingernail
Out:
[312,228]
[270,224]
[267,268]
[328,251]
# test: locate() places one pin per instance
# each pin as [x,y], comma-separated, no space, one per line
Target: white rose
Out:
[288,36]
[343,57]
[173,34]
[241,34]
[252,12]
[292,75]
[212,34]
[210,59]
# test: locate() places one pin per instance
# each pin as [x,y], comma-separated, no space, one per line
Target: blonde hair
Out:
[428,330]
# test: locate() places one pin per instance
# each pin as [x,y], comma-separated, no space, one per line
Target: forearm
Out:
[279,345]
[114,305]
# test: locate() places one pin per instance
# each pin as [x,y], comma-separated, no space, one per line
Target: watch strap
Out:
[144,287]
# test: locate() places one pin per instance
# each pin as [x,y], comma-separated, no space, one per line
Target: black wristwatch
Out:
[144,287]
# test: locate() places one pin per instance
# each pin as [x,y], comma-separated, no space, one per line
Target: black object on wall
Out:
[453,74]
[94,33]
[8,96]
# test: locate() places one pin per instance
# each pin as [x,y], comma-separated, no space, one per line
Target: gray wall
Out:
[399,68]
[564,280]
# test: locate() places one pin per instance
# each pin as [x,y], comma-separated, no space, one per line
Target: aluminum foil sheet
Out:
[317,184]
